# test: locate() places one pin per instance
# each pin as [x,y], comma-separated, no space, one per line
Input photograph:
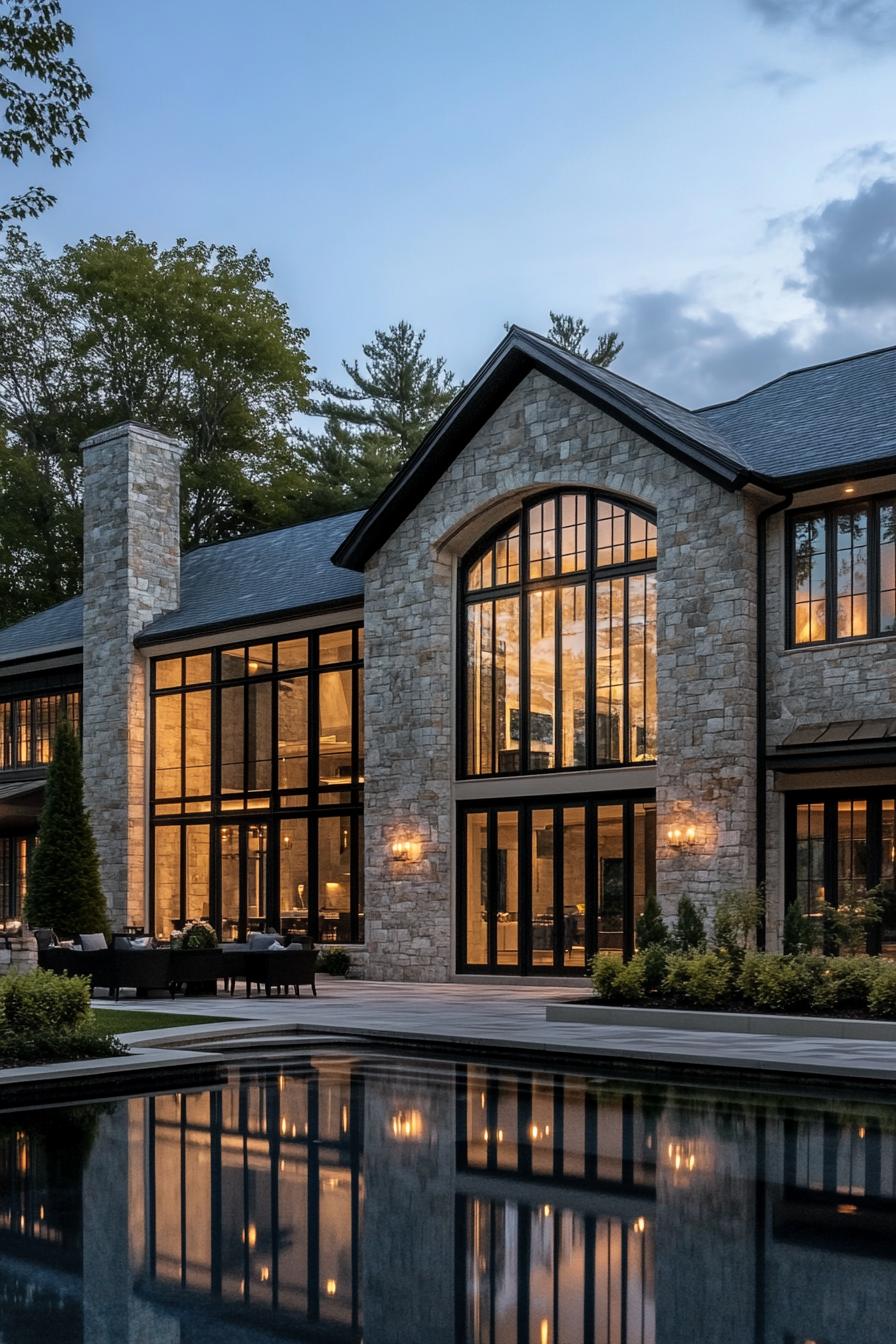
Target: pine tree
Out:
[375,423]
[650,930]
[689,934]
[569,333]
[64,891]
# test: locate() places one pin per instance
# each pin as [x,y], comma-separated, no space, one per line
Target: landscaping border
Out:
[747,1024]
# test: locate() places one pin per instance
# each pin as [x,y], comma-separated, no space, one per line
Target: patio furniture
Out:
[197,970]
[295,966]
[141,969]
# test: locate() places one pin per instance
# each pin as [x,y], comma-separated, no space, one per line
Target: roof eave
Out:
[516,356]
[39,651]
[150,637]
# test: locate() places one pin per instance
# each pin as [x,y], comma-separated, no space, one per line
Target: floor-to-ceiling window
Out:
[544,885]
[557,673]
[841,846]
[15,856]
[257,786]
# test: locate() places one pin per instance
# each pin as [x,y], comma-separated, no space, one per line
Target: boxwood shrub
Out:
[46,1017]
[764,982]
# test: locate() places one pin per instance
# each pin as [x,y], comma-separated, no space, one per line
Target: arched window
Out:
[559,656]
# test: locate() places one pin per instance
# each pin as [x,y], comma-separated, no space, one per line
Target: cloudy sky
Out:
[717,178]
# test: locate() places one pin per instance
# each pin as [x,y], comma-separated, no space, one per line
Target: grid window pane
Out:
[852,572]
[810,579]
[887,562]
[543,540]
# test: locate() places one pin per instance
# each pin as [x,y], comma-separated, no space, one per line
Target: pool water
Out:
[393,1199]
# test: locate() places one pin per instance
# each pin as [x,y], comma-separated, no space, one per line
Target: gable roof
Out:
[232,583]
[679,431]
[823,422]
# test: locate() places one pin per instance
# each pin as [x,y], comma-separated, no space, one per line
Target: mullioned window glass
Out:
[852,572]
[887,561]
[810,579]
[560,633]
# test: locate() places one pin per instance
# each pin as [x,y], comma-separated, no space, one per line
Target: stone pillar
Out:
[131,575]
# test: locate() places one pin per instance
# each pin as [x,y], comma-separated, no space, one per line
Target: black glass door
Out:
[242,879]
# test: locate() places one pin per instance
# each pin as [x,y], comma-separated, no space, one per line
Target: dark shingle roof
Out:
[258,577]
[811,421]
[55,629]
[234,582]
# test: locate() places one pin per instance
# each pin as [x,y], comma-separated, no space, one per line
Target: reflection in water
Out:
[399,1200]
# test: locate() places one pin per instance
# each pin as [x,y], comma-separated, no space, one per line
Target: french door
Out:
[838,847]
[544,885]
[243,852]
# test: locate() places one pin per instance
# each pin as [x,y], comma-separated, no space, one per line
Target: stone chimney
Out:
[131,485]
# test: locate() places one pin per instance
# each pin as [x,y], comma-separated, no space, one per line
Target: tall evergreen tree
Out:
[373,424]
[64,891]
[570,333]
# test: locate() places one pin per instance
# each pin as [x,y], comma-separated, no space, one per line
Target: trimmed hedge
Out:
[765,981]
[46,1017]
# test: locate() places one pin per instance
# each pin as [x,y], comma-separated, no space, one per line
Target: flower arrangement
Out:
[197,935]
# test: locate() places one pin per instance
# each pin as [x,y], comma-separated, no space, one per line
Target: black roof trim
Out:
[518,354]
[276,617]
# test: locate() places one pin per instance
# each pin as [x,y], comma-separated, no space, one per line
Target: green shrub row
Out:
[46,1017]
[769,982]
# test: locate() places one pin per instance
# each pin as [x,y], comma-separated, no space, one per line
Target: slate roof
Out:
[812,421]
[55,629]
[822,422]
[231,583]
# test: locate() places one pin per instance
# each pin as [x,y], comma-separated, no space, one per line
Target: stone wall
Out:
[131,575]
[823,684]
[544,435]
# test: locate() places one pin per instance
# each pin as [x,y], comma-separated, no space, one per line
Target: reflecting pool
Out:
[398,1200]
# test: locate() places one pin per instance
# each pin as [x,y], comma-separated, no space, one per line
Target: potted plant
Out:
[196,959]
[335,961]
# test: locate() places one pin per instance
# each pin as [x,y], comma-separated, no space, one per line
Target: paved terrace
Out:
[512,1018]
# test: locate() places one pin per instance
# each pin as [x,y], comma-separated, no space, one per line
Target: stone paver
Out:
[470,1016]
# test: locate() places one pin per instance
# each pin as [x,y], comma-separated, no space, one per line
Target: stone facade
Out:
[542,436]
[827,683]
[131,575]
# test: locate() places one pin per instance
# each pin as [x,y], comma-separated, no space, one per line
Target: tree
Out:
[689,934]
[42,113]
[64,891]
[570,332]
[190,339]
[374,424]
[650,928]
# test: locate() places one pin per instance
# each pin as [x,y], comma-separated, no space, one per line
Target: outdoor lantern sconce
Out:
[682,838]
[403,851]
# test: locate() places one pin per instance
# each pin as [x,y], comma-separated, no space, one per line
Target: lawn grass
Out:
[116,1020]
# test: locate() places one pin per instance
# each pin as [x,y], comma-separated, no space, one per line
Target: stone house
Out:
[586,646]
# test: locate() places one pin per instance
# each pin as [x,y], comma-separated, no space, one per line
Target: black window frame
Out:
[267,807]
[522,588]
[524,806]
[65,695]
[873,796]
[828,511]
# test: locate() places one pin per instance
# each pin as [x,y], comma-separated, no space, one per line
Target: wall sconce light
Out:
[403,851]
[679,837]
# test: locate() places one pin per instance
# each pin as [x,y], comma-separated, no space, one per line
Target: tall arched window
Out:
[559,656]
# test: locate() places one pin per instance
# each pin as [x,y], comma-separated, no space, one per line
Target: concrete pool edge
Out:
[736,1024]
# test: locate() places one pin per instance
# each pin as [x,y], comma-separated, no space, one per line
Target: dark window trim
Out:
[828,511]
[588,576]
[317,800]
[873,795]
[523,808]
[32,697]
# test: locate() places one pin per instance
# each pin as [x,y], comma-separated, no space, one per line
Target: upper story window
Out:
[241,727]
[28,727]
[559,656]
[843,572]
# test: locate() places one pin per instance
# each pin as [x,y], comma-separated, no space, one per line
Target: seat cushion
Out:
[93,942]
[261,942]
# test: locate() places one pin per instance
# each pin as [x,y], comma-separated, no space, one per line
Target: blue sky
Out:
[718,179]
